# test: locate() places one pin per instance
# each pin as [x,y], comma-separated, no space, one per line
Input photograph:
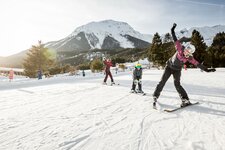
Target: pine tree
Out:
[217,51]
[38,57]
[168,47]
[200,47]
[96,65]
[155,53]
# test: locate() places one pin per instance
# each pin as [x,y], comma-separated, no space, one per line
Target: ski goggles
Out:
[187,53]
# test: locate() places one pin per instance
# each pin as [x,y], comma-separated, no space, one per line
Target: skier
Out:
[137,76]
[11,74]
[174,66]
[108,64]
[83,73]
[39,74]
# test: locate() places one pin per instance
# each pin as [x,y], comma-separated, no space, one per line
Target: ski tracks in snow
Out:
[88,116]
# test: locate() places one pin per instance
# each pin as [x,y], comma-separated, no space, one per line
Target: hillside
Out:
[15,60]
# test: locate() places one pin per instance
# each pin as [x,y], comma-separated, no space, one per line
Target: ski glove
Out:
[174,26]
[210,70]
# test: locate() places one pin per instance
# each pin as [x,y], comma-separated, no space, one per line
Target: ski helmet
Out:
[188,46]
[189,49]
[138,66]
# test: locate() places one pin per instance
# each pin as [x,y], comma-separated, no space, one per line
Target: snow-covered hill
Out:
[208,33]
[107,34]
[79,113]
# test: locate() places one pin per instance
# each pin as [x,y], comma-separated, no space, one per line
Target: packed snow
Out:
[79,113]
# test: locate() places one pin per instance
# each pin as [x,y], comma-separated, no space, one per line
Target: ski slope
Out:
[79,113]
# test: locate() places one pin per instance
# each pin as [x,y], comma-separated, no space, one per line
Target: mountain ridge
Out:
[109,34]
[96,33]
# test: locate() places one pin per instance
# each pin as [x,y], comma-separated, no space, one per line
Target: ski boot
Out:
[104,83]
[133,91]
[155,101]
[139,91]
[185,102]
[113,83]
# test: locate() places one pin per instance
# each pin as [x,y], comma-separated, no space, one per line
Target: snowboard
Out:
[178,108]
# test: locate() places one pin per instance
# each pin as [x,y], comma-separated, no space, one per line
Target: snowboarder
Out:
[108,64]
[174,65]
[137,76]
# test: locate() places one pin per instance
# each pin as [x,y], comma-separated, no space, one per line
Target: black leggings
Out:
[176,76]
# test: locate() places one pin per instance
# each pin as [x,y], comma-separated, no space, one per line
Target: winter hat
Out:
[138,66]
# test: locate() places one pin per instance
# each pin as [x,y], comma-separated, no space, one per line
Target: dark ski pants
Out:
[176,76]
[139,84]
[108,73]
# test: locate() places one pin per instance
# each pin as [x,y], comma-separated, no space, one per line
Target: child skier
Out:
[137,76]
[174,66]
[108,64]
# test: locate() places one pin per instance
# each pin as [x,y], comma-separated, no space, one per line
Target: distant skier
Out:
[39,74]
[137,76]
[108,64]
[83,73]
[11,74]
[174,66]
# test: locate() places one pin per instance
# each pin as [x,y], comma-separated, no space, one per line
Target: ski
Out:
[143,94]
[112,84]
[172,110]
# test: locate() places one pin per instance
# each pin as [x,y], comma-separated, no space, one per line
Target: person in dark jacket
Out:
[39,74]
[137,76]
[174,66]
[83,73]
[108,64]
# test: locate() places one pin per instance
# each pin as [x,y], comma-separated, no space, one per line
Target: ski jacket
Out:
[137,74]
[11,73]
[178,59]
[108,64]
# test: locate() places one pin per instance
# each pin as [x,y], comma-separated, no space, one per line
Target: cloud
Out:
[203,3]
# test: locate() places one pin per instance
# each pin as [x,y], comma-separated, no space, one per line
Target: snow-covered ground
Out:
[79,113]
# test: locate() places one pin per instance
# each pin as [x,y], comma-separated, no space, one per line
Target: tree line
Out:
[213,56]
[42,58]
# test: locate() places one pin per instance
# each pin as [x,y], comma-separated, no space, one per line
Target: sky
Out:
[24,22]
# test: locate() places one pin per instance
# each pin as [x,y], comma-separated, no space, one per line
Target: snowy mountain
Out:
[208,33]
[108,34]
[79,113]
